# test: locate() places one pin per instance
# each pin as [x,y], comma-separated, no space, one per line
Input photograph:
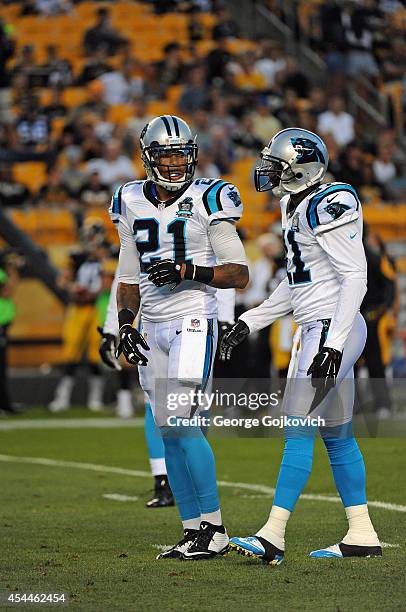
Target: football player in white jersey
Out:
[162,496]
[324,288]
[178,244]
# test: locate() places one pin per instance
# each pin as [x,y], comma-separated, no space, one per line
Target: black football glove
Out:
[107,350]
[224,328]
[233,338]
[165,272]
[130,338]
[325,367]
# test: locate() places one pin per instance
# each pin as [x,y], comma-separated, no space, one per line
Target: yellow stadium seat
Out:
[120,113]
[31,174]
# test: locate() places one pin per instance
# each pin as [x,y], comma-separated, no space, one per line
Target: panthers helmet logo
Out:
[307,151]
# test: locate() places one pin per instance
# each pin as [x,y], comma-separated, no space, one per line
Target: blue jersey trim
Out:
[210,201]
[208,355]
[312,215]
[117,200]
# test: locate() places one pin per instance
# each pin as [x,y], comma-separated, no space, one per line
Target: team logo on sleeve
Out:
[185,208]
[234,196]
[336,209]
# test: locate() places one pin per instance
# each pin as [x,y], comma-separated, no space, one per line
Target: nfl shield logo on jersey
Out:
[195,323]
[185,208]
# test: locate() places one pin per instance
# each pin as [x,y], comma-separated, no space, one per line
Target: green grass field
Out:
[58,533]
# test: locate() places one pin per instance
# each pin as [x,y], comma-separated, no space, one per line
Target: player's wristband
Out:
[200,274]
[125,317]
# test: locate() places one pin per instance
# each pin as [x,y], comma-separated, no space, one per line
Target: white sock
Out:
[193,523]
[212,517]
[360,532]
[274,528]
[158,467]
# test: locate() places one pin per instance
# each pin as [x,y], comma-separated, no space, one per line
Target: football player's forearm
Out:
[277,305]
[231,275]
[352,293]
[128,299]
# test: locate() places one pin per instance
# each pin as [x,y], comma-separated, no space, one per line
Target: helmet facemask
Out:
[171,166]
[271,173]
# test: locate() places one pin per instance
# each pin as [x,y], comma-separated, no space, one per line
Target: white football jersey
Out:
[313,275]
[176,230]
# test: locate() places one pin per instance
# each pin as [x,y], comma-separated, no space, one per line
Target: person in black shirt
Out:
[12,193]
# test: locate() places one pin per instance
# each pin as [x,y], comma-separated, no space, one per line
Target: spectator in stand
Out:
[195,27]
[12,193]
[57,69]
[94,104]
[113,167]
[293,78]
[153,88]
[317,100]
[358,41]
[225,27]
[27,65]
[85,137]
[220,113]
[271,61]
[103,33]
[201,126]
[287,110]
[32,127]
[265,124]
[245,139]
[56,107]
[221,149]
[139,117]
[352,163]
[53,7]
[371,191]
[171,69]
[334,162]
[217,60]
[95,66]
[73,176]
[247,77]
[94,193]
[337,122]
[121,86]
[53,192]
[384,169]
[206,167]
[195,94]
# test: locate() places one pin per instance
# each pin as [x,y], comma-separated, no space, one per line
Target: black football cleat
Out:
[176,552]
[163,497]
[211,541]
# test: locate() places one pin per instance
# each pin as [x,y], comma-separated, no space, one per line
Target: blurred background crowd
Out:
[78,82]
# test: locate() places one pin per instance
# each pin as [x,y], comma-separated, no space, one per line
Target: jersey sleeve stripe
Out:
[311,212]
[209,197]
[117,200]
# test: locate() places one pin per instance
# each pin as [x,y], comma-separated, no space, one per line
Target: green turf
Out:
[58,533]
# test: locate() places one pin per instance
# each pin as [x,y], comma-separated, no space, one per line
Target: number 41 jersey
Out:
[179,230]
[323,242]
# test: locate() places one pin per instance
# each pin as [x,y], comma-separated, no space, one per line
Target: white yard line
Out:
[91,423]
[108,469]
[121,498]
